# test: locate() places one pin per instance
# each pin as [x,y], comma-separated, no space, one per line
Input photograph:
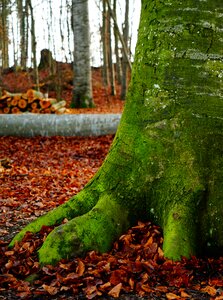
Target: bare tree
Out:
[124,56]
[82,91]
[124,38]
[33,37]
[69,28]
[23,16]
[104,36]
[110,54]
[118,68]
[4,33]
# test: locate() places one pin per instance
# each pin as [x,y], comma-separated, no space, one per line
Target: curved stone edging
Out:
[29,125]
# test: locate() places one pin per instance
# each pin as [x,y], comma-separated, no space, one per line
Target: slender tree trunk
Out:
[23,16]
[15,52]
[82,91]
[117,54]
[125,50]
[4,34]
[33,37]
[69,29]
[105,44]
[52,24]
[110,56]
[166,161]
[124,58]
[61,20]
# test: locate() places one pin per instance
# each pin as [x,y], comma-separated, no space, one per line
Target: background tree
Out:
[108,65]
[125,56]
[33,39]
[4,33]
[117,52]
[124,42]
[110,54]
[104,39]
[82,91]
[23,18]
[166,161]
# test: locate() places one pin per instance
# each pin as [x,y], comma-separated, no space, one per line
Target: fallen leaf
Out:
[185,295]
[210,290]
[80,268]
[9,253]
[115,291]
[146,288]
[50,289]
[161,288]
[172,296]
[118,276]
[105,286]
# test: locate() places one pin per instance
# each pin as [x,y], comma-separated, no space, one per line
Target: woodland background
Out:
[28,27]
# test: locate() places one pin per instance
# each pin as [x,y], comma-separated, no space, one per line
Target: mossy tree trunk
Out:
[166,161]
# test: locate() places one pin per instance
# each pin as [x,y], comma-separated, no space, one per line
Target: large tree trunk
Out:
[166,161]
[82,92]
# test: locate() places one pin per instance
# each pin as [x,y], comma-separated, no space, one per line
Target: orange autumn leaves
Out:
[128,269]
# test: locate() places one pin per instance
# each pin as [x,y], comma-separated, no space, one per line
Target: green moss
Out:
[76,206]
[214,68]
[95,230]
[180,231]
[51,218]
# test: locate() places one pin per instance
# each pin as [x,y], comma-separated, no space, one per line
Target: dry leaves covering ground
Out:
[40,173]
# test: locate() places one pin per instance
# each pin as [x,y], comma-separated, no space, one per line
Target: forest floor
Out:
[40,173]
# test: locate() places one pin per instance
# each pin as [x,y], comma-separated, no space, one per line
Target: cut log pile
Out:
[32,101]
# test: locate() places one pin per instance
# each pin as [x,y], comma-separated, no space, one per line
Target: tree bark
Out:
[117,55]
[33,38]
[125,56]
[47,62]
[23,16]
[82,92]
[125,51]
[166,161]
[105,44]
[110,56]
[4,33]
[30,125]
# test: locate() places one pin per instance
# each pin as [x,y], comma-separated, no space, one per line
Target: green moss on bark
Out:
[96,230]
[76,206]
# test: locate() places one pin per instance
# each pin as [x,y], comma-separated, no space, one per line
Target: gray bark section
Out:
[29,125]
[82,92]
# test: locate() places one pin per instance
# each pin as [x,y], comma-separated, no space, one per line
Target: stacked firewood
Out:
[32,101]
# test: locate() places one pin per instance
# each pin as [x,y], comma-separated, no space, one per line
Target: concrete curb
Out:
[29,125]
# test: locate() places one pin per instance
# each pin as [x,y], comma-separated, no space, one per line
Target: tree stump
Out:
[47,61]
